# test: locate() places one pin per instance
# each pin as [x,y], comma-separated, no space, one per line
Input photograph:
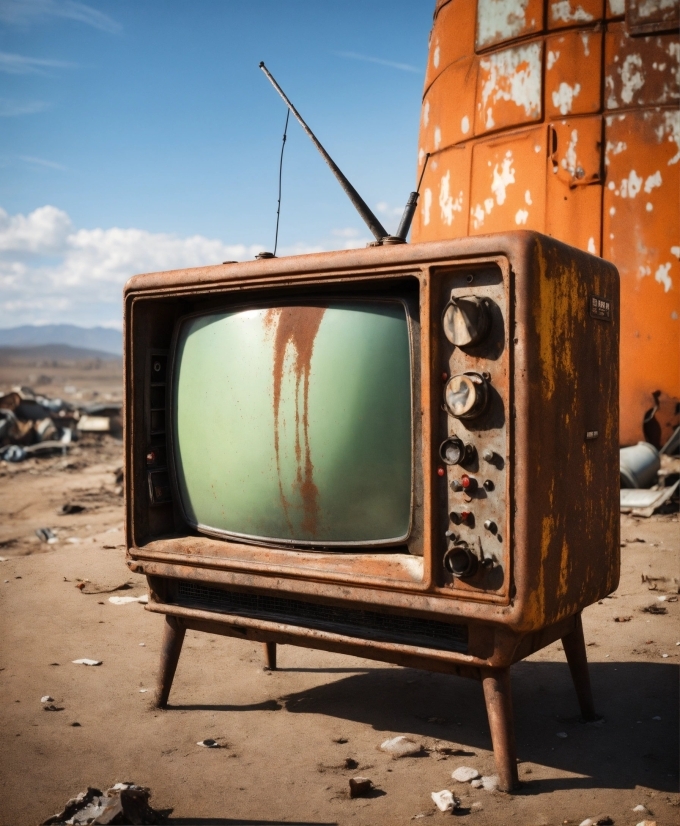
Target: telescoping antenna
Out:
[377,229]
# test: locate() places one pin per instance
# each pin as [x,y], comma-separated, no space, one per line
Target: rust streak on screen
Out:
[297,327]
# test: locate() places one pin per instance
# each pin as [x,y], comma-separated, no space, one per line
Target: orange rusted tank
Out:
[562,116]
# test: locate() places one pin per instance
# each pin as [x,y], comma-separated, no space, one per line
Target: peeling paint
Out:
[676,252]
[649,207]
[672,131]
[662,276]
[615,148]
[437,137]
[631,185]
[521,216]
[427,204]
[591,246]
[563,98]
[426,113]
[562,12]
[500,20]
[421,156]
[465,125]
[632,77]
[513,75]
[446,202]
[569,161]
[653,181]
[478,216]
[585,39]
[502,178]
[617,7]
[552,58]
[527,197]
[435,57]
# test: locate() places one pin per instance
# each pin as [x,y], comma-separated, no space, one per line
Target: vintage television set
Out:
[407,453]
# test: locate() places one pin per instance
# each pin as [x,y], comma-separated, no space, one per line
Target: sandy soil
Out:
[285,736]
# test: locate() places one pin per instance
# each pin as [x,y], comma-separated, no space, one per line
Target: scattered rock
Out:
[351,763]
[341,740]
[464,774]
[47,699]
[401,746]
[587,822]
[647,823]
[622,619]
[488,782]
[46,535]
[445,800]
[209,743]
[52,707]
[655,609]
[122,803]
[85,661]
[604,820]
[69,508]
[359,786]
[640,809]
[562,734]
[127,600]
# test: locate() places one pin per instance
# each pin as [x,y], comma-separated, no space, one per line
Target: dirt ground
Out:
[285,736]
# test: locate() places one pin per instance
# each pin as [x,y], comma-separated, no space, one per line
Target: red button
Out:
[440,471]
[465,481]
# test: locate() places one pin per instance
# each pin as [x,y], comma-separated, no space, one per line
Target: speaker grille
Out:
[355,622]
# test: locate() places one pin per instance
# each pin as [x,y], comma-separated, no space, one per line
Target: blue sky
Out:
[141,135]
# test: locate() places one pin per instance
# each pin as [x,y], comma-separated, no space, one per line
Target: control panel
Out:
[473,450]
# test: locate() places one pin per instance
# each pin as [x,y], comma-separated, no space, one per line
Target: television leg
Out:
[270,655]
[496,685]
[575,649]
[173,638]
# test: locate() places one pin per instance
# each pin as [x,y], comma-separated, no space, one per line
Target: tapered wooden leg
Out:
[172,646]
[496,684]
[270,655]
[575,648]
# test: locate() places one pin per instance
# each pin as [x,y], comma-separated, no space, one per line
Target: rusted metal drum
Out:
[562,117]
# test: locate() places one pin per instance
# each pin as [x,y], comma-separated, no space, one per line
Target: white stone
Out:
[464,774]
[445,801]
[401,746]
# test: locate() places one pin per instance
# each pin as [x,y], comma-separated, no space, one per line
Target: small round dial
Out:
[452,451]
[466,395]
[466,320]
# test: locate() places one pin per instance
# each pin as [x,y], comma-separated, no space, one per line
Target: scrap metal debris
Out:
[124,803]
[46,535]
[655,609]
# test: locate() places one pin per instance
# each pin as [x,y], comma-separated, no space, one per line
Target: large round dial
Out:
[466,320]
[466,395]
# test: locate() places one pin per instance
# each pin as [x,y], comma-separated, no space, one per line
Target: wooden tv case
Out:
[552,492]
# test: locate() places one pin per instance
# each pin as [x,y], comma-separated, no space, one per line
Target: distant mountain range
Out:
[86,338]
[47,353]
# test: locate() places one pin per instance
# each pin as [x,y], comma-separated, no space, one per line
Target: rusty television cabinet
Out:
[505,523]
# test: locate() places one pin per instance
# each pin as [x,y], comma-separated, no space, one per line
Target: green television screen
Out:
[293,424]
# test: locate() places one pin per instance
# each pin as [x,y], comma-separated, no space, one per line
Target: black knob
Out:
[488,455]
[491,526]
[488,484]
[453,451]
[461,561]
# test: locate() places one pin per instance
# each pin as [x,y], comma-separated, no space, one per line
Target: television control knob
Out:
[491,526]
[466,395]
[461,561]
[488,485]
[466,320]
[456,486]
[488,455]
[468,483]
[453,451]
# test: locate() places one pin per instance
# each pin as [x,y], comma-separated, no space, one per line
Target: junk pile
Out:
[650,478]
[121,804]
[34,425]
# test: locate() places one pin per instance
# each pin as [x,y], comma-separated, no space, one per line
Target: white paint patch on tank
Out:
[653,181]
[503,176]
[478,215]
[676,252]
[631,185]
[570,158]
[521,216]
[437,137]
[527,197]
[591,246]
[674,49]
[644,271]
[500,20]
[585,39]
[435,57]
[563,98]
[552,58]
[671,129]
[513,75]
[427,204]
[617,6]
[612,210]
[611,185]
[662,276]
[465,125]
[562,11]
[421,156]
[649,206]
[488,205]
[632,77]
[426,112]
[615,148]
[446,202]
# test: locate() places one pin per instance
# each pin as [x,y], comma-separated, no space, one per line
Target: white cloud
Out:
[51,271]
[385,209]
[40,162]
[14,109]
[25,12]
[404,67]
[17,64]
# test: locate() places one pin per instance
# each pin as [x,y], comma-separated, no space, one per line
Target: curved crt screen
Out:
[293,423]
